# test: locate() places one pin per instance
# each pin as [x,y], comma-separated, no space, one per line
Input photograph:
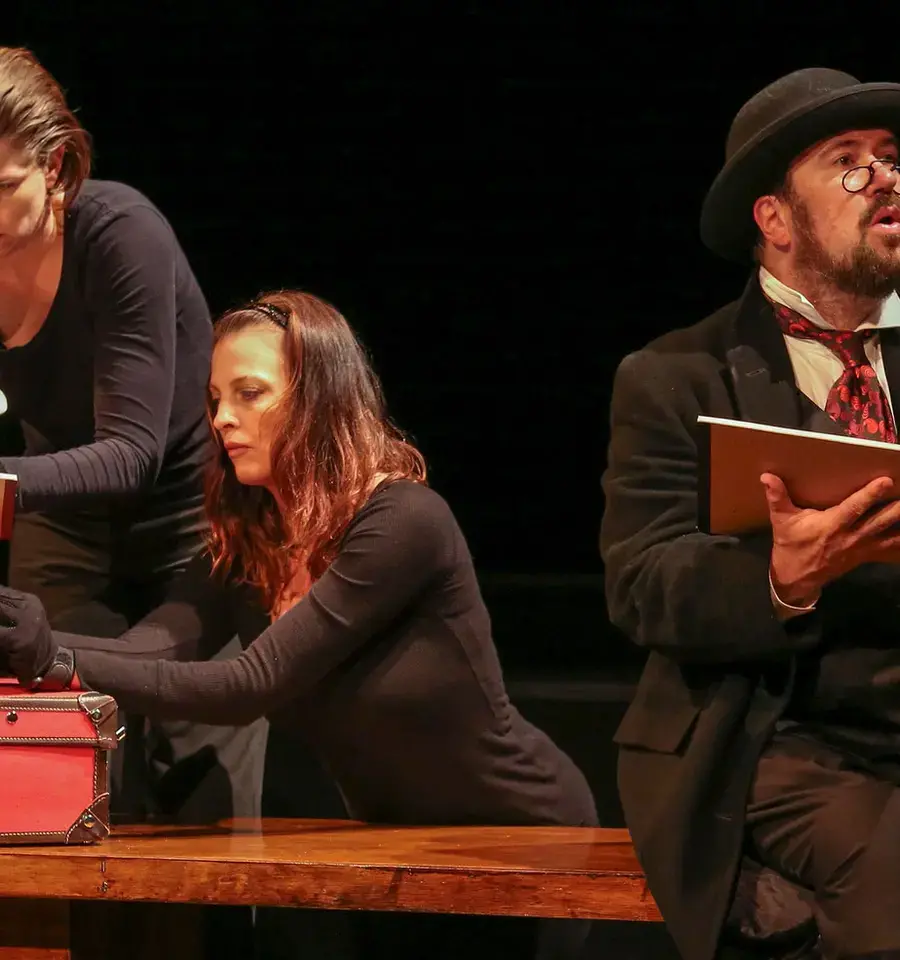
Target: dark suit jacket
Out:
[721,666]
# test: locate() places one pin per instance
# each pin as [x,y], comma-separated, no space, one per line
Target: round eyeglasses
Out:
[857,179]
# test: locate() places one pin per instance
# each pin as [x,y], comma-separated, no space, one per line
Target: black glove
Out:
[26,640]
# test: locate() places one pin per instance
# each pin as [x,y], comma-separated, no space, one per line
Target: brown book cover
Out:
[818,469]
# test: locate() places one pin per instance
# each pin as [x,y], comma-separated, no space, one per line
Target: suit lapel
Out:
[761,373]
[890,356]
[816,420]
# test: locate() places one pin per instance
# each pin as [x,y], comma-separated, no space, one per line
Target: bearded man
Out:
[767,720]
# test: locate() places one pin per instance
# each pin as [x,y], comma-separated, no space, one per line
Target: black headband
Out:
[275,314]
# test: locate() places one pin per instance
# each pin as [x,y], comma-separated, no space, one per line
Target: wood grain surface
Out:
[339,864]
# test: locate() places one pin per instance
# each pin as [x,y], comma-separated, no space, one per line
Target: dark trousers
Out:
[181,772]
[831,823]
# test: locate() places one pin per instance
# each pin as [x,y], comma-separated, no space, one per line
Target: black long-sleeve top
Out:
[386,667]
[111,390]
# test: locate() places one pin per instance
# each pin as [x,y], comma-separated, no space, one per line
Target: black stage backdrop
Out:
[501,197]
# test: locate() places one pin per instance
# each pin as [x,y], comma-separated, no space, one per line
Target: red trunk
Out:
[54,758]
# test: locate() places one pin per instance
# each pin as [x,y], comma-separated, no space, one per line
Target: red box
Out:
[54,765]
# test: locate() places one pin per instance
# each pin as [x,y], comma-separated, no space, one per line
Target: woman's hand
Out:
[27,643]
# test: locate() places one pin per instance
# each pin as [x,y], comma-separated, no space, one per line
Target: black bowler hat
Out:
[773,128]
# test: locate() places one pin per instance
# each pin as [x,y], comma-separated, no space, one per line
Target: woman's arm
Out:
[130,281]
[399,543]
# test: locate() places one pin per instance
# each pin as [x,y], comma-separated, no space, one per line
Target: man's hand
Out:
[810,548]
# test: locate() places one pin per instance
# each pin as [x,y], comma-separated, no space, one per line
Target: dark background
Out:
[503,200]
[501,197]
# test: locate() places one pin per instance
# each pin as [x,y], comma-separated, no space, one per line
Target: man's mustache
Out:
[878,205]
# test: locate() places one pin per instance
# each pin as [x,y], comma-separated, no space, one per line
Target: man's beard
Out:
[862,271]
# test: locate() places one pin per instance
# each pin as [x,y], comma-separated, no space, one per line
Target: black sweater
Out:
[111,390]
[386,667]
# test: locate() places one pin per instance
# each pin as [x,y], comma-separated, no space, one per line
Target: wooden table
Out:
[333,864]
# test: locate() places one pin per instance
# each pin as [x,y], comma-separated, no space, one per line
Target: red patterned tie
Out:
[856,400]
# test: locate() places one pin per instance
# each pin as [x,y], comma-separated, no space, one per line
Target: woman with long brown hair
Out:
[328,444]
[352,589]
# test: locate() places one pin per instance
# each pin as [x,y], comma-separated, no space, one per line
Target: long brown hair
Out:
[35,116]
[332,445]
